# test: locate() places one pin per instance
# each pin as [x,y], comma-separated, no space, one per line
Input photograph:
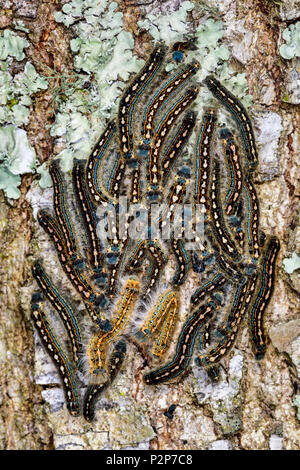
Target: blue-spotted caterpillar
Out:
[139,154]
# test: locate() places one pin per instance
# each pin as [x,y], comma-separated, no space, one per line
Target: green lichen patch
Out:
[291,47]
[169,27]
[296,402]
[103,56]
[17,157]
[291,264]
[12,45]
[45,179]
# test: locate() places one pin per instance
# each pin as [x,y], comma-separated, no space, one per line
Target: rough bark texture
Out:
[253,407]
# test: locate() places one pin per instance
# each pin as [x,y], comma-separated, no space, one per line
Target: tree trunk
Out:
[255,403]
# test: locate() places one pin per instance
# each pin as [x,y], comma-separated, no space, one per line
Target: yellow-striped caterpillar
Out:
[161,321]
[184,348]
[99,342]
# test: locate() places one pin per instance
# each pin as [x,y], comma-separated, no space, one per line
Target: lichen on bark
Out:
[254,405]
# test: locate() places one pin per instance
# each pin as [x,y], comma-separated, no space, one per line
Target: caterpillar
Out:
[60,210]
[117,175]
[112,226]
[63,308]
[55,350]
[88,216]
[136,176]
[242,298]
[235,171]
[184,348]
[217,222]
[78,280]
[204,337]
[94,390]
[213,283]
[138,255]
[262,297]
[159,261]
[176,146]
[163,339]
[240,115]
[253,218]
[162,96]
[162,130]
[182,259]
[161,321]
[231,270]
[94,161]
[116,264]
[203,158]
[99,342]
[176,194]
[130,96]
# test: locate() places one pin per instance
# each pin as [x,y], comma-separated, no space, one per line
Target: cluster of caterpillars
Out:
[121,280]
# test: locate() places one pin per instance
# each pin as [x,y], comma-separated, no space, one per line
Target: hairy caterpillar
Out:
[253,218]
[93,390]
[63,308]
[162,96]
[184,348]
[56,352]
[217,222]
[263,295]
[239,113]
[213,283]
[60,210]
[161,321]
[94,161]
[88,215]
[235,171]
[203,158]
[98,344]
[130,96]
[163,128]
[80,283]
[177,145]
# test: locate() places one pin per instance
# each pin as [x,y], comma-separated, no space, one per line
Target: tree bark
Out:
[254,405]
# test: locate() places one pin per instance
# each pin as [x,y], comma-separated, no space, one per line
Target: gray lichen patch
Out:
[286,338]
[270,128]
[224,397]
